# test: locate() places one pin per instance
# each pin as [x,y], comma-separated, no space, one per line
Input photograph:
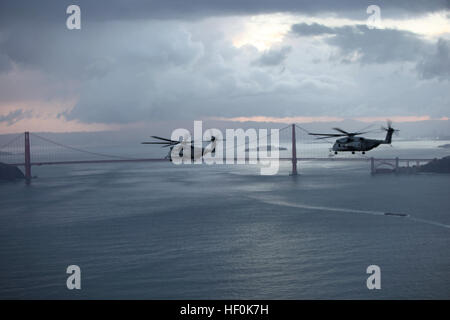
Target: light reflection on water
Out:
[163,231]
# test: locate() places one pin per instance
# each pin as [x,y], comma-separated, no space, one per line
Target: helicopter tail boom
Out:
[388,138]
[389,131]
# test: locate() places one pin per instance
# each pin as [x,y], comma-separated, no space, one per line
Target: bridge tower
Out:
[27,158]
[294,152]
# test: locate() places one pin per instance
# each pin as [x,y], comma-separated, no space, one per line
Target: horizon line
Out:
[257,119]
[312,119]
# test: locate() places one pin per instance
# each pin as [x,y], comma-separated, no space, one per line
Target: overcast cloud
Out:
[46,11]
[160,60]
[365,45]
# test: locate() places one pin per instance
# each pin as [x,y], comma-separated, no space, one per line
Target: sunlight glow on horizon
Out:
[328,119]
[266,30]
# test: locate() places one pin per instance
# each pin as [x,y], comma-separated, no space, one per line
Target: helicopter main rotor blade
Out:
[327,134]
[367,127]
[357,133]
[343,131]
[350,134]
[193,141]
[154,142]
[156,137]
[322,138]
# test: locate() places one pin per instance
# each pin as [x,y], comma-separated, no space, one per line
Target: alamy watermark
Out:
[74,280]
[235,147]
[374,280]
[374,20]
[73,21]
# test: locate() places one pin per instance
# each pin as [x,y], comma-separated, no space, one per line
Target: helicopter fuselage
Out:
[356,144]
[196,152]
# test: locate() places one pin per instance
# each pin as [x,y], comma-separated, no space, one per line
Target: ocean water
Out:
[160,231]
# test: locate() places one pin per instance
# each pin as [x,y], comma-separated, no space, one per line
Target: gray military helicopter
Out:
[195,151]
[353,143]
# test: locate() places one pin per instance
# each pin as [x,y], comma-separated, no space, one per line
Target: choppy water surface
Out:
[149,230]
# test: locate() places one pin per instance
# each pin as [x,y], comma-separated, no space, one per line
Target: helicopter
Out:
[196,152]
[351,141]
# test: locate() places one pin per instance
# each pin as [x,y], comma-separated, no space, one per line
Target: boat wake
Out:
[280,202]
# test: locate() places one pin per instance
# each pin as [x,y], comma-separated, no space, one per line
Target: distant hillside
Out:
[437,165]
[10,173]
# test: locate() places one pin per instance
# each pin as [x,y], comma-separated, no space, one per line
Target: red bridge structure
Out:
[30,149]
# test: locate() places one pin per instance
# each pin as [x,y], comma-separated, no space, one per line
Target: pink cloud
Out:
[279,120]
[396,118]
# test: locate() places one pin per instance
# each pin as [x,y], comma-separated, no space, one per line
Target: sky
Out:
[137,63]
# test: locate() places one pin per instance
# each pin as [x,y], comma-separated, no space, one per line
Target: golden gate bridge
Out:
[31,149]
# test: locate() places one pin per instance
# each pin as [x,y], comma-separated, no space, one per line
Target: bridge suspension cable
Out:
[80,150]
[12,151]
[11,141]
[254,140]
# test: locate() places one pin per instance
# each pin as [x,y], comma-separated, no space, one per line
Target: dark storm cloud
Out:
[142,76]
[436,65]
[368,45]
[313,29]
[273,57]
[123,66]
[5,63]
[14,116]
[83,55]
[100,10]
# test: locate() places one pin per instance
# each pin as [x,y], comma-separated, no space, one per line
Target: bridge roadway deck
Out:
[235,159]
